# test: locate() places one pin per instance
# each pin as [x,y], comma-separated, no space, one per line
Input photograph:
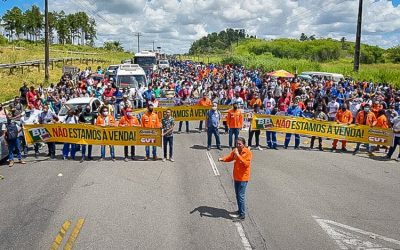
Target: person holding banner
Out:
[213,122]
[150,120]
[252,131]
[319,116]
[396,142]
[47,117]
[343,116]
[70,119]
[365,117]
[293,110]
[205,102]
[234,120]
[105,119]
[129,120]
[87,117]
[184,101]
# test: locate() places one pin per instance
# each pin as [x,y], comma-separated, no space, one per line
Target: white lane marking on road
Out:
[243,238]
[344,238]
[212,163]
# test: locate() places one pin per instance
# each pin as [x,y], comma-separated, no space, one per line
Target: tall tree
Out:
[14,22]
[62,29]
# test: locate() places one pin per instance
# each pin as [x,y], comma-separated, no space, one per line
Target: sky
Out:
[174,24]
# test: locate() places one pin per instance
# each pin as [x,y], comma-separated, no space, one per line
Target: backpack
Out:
[12,131]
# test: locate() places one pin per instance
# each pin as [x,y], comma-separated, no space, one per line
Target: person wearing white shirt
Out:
[333,108]
[269,103]
[28,119]
[70,119]
[139,96]
[237,99]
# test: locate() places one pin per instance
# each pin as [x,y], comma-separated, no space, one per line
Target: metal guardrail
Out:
[40,62]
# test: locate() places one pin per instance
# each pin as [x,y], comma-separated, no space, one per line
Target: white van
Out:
[130,76]
[163,64]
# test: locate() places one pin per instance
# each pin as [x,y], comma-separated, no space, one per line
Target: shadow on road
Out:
[213,212]
[200,147]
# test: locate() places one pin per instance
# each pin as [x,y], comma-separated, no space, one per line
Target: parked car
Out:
[82,102]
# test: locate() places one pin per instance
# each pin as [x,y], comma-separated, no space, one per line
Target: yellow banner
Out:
[188,113]
[333,130]
[92,135]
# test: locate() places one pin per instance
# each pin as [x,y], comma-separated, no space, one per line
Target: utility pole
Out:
[138,34]
[357,50]
[46,42]
[153,46]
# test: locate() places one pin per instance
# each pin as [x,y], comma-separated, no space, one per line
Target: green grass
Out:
[11,82]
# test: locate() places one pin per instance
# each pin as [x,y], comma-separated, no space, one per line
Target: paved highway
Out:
[297,199]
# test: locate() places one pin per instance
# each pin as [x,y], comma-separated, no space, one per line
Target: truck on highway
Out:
[130,76]
[147,60]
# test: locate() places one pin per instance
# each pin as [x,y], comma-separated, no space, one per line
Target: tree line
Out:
[75,28]
[217,42]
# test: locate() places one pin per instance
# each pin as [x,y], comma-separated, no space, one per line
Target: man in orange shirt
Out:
[129,120]
[205,102]
[234,120]
[346,117]
[241,173]
[368,118]
[105,119]
[150,120]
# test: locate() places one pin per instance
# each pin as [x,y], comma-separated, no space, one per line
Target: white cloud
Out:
[174,24]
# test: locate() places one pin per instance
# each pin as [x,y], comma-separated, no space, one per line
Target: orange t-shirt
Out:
[206,102]
[369,120]
[126,122]
[255,101]
[234,119]
[150,120]
[344,116]
[242,165]
[105,121]
[382,122]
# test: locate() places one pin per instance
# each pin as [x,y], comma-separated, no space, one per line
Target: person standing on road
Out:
[87,117]
[205,102]
[365,117]
[213,121]
[150,120]
[11,130]
[47,117]
[28,119]
[396,142]
[241,173]
[70,119]
[293,110]
[105,119]
[343,116]
[319,116]
[168,124]
[129,120]
[252,131]
[234,120]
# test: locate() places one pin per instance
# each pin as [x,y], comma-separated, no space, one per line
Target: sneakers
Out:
[239,219]
[155,158]
[259,148]
[219,148]
[208,148]
[171,159]
[164,159]
[126,159]
[113,159]
[146,158]
[82,160]
[21,162]
[333,149]
[320,148]
[11,164]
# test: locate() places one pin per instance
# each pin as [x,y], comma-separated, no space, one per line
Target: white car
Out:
[163,64]
[82,102]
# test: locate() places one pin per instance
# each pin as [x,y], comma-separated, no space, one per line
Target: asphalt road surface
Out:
[297,199]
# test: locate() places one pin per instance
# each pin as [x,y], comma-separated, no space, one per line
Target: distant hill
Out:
[310,48]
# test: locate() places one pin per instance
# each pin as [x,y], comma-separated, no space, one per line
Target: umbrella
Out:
[281,73]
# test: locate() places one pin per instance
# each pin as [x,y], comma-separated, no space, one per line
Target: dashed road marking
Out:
[74,234]
[57,241]
[243,238]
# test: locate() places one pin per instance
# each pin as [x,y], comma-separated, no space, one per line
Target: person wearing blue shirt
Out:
[293,110]
[213,121]
[148,93]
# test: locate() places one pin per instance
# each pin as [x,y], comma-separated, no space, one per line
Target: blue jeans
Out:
[154,149]
[103,152]
[90,147]
[168,141]
[271,139]
[233,132]
[213,131]
[14,145]
[240,191]
[66,150]
[296,140]
[393,148]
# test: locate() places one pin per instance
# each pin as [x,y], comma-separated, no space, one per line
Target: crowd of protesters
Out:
[346,101]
